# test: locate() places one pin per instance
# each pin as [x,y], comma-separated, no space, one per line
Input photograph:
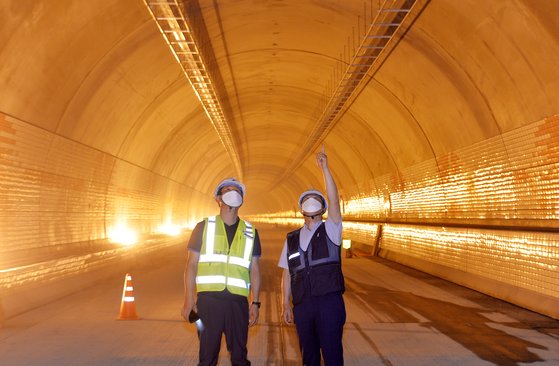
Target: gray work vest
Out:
[318,270]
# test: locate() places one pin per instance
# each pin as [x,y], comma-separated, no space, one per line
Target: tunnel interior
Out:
[440,120]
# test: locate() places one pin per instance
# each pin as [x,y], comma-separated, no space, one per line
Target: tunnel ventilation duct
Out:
[381,35]
[177,32]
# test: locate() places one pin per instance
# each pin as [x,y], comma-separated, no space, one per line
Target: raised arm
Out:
[334,211]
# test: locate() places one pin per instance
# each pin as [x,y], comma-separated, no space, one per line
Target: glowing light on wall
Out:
[362,232]
[365,204]
[190,225]
[290,221]
[122,234]
[507,181]
[524,259]
[170,229]
[54,269]
[512,178]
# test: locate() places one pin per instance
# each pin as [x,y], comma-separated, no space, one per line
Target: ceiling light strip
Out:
[178,34]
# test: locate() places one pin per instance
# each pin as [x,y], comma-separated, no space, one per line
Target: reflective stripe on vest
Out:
[219,270]
[209,255]
[238,283]
[210,279]
[294,255]
[222,280]
[249,242]
[331,253]
[317,271]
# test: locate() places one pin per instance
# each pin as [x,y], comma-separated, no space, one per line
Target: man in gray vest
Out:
[312,275]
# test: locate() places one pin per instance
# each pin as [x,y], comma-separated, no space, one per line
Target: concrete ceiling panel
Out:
[49,48]
[113,96]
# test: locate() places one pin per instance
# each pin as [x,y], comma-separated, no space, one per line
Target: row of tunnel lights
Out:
[124,235]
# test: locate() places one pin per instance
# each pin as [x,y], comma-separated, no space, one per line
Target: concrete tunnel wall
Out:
[448,147]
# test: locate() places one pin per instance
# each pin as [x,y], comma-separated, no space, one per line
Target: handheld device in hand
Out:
[193,316]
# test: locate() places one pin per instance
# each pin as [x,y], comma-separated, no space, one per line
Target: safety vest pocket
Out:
[326,279]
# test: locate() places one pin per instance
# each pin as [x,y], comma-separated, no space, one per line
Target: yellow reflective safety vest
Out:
[221,266]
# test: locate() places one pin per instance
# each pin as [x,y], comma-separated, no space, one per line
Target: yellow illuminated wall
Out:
[528,260]
[59,200]
[489,210]
[508,180]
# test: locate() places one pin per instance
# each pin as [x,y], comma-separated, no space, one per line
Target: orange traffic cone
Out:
[127,306]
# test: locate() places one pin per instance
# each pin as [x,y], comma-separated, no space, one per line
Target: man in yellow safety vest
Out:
[222,269]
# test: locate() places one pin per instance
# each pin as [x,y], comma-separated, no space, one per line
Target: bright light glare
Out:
[169,229]
[346,243]
[123,235]
[190,225]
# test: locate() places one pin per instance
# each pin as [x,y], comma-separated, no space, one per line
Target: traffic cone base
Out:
[127,305]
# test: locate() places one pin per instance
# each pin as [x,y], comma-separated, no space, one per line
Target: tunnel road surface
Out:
[395,316]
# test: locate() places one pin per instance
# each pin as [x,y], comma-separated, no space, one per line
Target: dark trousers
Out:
[220,316]
[320,322]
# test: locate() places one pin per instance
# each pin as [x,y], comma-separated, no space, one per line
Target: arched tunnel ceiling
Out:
[100,73]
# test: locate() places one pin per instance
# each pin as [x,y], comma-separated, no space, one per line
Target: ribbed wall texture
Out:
[509,180]
[489,210]
[60,199]
[525,260]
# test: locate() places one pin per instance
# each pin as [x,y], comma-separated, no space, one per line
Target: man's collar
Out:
[315,224]
[233,224]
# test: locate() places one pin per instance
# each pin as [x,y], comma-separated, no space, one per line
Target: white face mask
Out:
[311,206]
[232,199]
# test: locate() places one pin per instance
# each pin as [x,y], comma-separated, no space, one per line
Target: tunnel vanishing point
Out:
[440,119]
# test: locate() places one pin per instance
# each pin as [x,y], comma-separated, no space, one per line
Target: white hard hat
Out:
[312,192]
[229,182]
